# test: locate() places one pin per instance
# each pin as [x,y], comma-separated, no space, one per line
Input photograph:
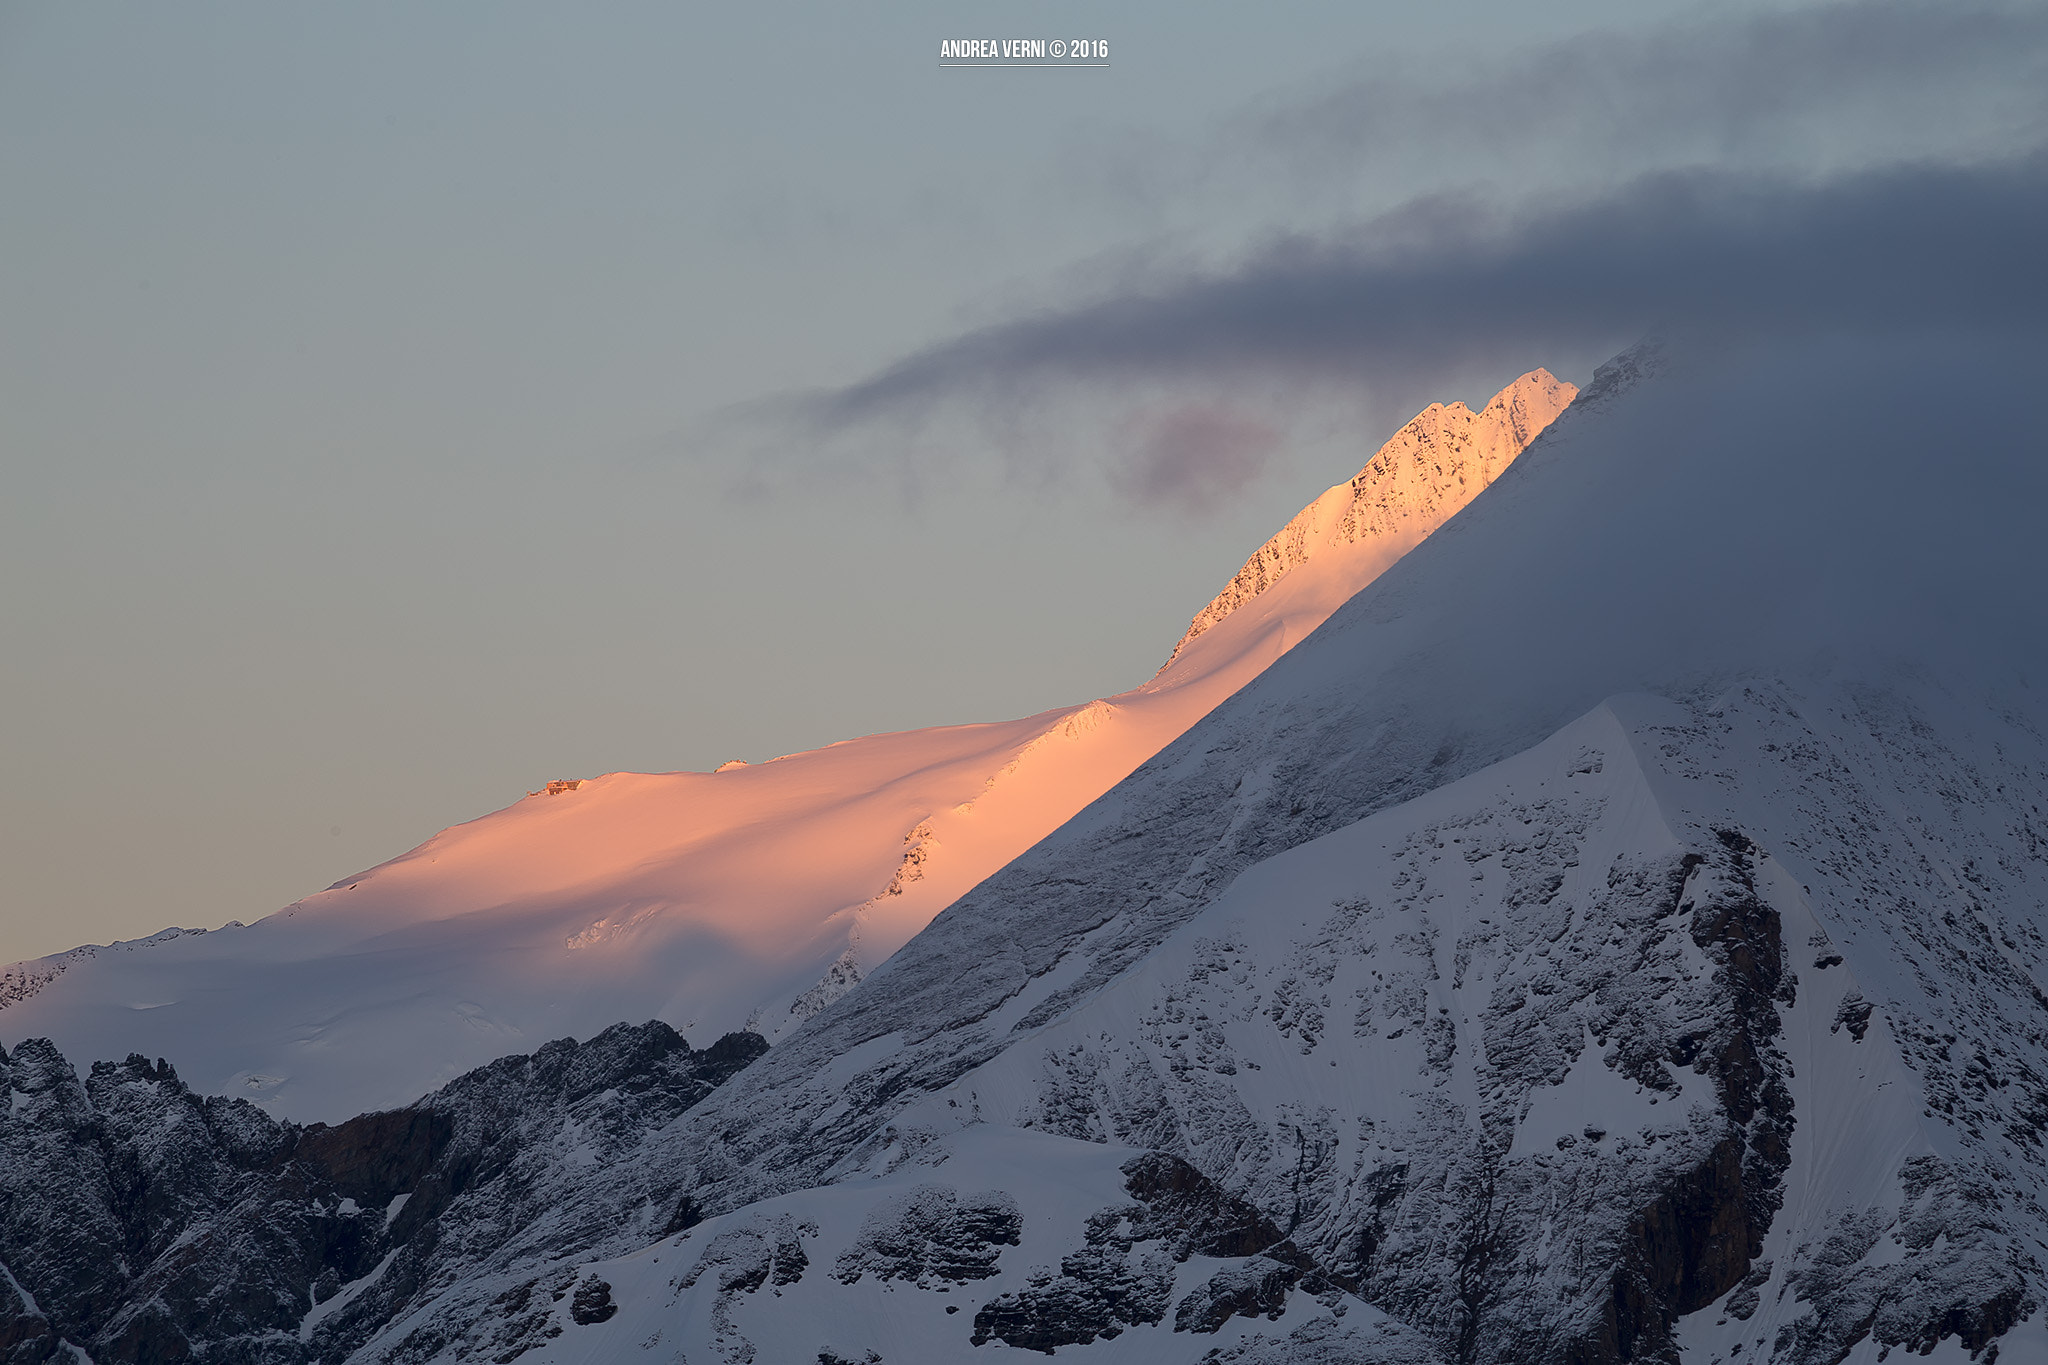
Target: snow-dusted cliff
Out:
[747,898]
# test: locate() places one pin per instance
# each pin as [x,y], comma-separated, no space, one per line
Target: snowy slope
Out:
[1565,1060]
[961,1253]
[1555,1058]
[1835,619]
[1756,517]
[1616,935]
[746,898]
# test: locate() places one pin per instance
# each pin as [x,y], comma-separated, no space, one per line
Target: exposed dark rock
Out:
[373,1158]
[525,1318]
[153,1226]
[592,1302]
[1123,1276]
[1742,1304]
[1099,1291]
[1740,933]
[1332,1341]
[1257,1288]
[1853,1014]
[1200,1217]
[933,1233]
[26,1337]
[750,1255]
[1696,1238]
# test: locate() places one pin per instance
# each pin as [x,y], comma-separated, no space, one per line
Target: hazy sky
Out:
[403,405]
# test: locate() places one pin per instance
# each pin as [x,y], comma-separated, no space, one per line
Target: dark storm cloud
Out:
[1835,80]
[1446,283]
[1846,168]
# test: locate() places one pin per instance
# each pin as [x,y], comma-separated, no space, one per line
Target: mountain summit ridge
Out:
[1443,458]
[748,898]
[1615,936]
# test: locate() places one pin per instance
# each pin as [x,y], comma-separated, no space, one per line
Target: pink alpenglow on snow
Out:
[751,897]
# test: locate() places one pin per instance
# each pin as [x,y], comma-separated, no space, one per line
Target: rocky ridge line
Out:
[1446,456]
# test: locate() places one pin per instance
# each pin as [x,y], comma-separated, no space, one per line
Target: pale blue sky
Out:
[381,386]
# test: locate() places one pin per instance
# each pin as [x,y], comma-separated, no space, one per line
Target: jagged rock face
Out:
[934,1233]
[1123,1274]
[1553,1055]
[141,1222]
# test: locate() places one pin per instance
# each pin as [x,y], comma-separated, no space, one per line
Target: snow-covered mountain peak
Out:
[1585,948]
[1432,467]
[1699,531]
[751,898]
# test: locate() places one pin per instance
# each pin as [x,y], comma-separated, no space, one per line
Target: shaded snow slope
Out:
[1617,934]
[1702,1025]
[1657,1033]
[748,898]
[1774,514]
[1696,1025]
[1827,575]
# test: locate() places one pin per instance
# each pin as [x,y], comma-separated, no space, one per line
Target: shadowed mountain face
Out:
[1615,935]
[141,1222]
[749,898]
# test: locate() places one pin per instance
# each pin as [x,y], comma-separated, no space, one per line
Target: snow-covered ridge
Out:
[1753,538]
[1436,464]
[751,898]
[1616,936]
[21,980]
[1629,1043]
[1554,1062]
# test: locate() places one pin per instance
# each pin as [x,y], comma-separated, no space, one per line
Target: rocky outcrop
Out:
[1257,1288]
[592,1303]
[934,1233]
[143,1223]
[1123,1275]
